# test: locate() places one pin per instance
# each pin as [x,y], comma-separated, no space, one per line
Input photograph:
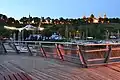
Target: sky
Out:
[59,8]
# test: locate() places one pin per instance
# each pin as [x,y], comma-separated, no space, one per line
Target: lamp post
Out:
[107,34]
[66,32]
[86,29]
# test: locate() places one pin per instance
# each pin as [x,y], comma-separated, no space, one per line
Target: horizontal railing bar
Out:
[64,48]
[115,57]
[51,53]
[103,64]
[48,46]
[100,50]
[98,59]
[70,56]
[68,43]
[115,49]
[41,42]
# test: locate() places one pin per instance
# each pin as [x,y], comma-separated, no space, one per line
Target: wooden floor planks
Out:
[52,70]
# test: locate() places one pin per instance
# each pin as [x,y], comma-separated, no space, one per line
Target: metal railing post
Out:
[108,54]
[2,44]
[30,52]
[17,51]
[82,55]
[43,51]
[59,52]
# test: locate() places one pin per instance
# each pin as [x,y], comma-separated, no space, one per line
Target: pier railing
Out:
[84,54]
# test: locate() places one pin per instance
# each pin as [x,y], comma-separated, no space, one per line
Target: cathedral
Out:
[93,19]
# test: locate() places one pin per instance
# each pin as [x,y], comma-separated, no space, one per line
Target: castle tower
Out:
[105,16]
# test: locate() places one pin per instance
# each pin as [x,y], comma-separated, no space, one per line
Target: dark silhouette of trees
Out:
[59,25]
[36,20]
[24,20]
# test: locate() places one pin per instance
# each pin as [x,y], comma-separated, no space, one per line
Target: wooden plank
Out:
[97,59]
[6,77]
[96,44]
[46,76]
[114,49]
[1,76]
[94,75]
[63,73]
[27,76]
[114,67]
[17,77]
[11,67]
[98,74]
[22,76]
[5,72]
[109,73]
[98,50]
[38,76]
[11,77]
[56,74]
[80,73]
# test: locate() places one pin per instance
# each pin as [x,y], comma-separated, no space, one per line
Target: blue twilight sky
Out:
[59,8]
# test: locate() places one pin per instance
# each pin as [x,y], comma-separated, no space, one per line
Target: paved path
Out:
[49,69]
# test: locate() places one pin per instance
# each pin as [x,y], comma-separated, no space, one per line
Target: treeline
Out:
[35,20]
[59,25]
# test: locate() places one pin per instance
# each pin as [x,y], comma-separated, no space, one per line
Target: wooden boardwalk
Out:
[37,68]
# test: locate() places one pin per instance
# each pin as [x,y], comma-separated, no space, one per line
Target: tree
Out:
[61,19]
[24,20]
[5,17]
[36,20]
[11,21]
[43,19]
[90,20]
[92,16]
[56,21]
[1,16]
[17,24]
[30,19]
[105,20]
[52,21]
[100,20]
[48,19]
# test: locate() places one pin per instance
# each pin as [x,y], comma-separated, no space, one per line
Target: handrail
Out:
[69,43]
[82,50]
